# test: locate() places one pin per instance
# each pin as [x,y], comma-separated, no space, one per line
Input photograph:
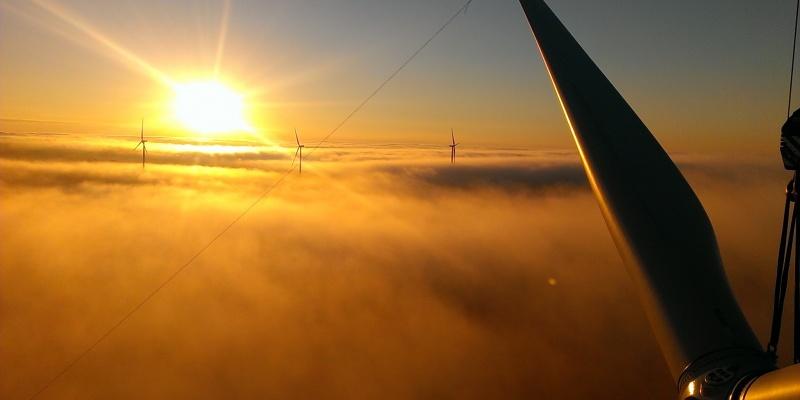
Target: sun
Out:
[209,107]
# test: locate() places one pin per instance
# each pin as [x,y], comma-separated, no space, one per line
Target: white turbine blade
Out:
[297,138]
[657,222]
[452,136]
[137,145]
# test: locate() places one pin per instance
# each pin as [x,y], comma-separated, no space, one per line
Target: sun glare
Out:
[209,107]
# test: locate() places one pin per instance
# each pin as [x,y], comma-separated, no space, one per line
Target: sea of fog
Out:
[380,272]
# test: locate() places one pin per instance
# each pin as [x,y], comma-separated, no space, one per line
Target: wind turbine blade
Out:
[659,226]
[295,156]
[141,130]
[452,136]
[137,145]
[297,138]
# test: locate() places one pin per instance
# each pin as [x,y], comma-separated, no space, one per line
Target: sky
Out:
[381,271]
[703,75]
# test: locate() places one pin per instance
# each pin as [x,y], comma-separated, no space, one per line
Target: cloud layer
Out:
[381,272]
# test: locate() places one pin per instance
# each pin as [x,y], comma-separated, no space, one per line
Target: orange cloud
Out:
[381,272]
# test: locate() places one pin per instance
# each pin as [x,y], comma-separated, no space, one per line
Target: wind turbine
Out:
[661,231]
[453,147]
[142,143]
[298,151]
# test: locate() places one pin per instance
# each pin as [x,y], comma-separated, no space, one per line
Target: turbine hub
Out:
[723,375]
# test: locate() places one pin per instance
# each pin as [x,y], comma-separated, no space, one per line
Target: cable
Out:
[794,50]
[777,305]
[402,66]
[786,244]
[247,210]
[784,260]
[161,286]
[796,293]
[790,239]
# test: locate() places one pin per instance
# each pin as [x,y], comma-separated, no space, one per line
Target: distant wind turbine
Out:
[142,143]
[298,151]
[453,147]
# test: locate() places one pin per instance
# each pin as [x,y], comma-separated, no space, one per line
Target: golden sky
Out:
[98,67]
[382,271]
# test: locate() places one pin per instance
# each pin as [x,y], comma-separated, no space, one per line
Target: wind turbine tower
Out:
[452,147]
[142,143]
[298,151]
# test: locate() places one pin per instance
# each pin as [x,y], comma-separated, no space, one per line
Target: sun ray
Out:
[223,35]
[120,51]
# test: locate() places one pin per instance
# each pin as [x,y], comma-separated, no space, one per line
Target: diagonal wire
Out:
[402,66]
[794,50]
[244,212]
[158,288]
[295,156]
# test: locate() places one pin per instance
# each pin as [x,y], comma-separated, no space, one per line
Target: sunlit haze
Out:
[209,107]
[158,241]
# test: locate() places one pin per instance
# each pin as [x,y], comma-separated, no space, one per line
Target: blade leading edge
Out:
[658,224]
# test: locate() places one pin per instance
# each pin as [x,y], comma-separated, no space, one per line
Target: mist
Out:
[380,272]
